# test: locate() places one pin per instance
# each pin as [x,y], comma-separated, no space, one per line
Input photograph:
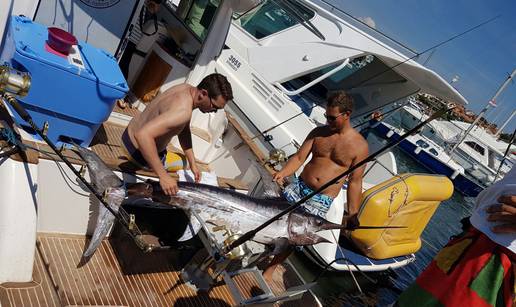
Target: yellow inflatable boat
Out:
[407,200]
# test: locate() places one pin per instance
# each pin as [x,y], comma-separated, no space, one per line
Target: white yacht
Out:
[481,153]
[477,161]
[280,57]
[281,74]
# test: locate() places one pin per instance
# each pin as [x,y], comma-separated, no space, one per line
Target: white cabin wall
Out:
[101,27]
[25,7]
[63,204]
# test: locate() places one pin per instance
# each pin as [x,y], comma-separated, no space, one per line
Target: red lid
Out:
[60,40]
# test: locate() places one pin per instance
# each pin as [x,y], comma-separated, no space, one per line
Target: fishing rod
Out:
[356,126]
[431,48]
[378,74]
[250,234]
[26,117]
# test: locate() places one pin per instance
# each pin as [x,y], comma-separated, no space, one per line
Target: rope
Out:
[7,134]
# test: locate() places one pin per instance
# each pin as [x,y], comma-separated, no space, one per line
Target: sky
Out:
[482,59]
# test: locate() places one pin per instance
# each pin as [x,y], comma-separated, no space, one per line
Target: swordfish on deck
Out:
[216,206]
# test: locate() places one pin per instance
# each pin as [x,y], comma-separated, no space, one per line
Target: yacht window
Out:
[476,147]
[200,15]
[422,144]
[317,93]
[269,18]
[433,152]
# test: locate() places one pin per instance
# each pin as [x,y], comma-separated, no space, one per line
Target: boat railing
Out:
[362,26]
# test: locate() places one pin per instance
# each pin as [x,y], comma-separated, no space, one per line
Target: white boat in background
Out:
[476,162]
[481,153]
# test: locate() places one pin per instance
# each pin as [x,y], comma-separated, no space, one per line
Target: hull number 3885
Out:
[233,62]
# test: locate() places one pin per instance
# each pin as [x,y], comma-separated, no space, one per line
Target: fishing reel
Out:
[13,81]
[236,253]
[277,156]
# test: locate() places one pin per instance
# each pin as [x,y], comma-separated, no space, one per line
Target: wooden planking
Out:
[41,292]
[126,111]
[119,277]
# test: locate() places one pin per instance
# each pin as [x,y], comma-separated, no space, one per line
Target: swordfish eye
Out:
[319,222]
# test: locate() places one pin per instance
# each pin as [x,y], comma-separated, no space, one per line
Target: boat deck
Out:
[119,274]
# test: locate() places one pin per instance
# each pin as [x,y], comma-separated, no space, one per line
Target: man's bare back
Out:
[176,104]
[332,154]
[148,134]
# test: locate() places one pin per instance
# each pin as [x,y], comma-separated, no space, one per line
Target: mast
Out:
[491,103]
[505,124]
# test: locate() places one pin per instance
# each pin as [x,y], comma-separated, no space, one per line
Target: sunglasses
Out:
[214,106]
[332,118]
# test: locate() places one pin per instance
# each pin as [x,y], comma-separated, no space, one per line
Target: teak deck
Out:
[119,274]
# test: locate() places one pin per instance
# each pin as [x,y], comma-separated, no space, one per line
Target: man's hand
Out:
[504,213]
[196,172]
[168,185]
[350,221]
[279,178]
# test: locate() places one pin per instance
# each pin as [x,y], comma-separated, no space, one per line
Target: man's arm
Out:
[185,139]
[354,192]
[295,162]
[146,139]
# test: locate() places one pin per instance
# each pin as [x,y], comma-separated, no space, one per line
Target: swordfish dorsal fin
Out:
[101,175]
[105,181]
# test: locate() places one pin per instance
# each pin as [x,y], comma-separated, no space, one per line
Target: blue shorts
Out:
[318,205]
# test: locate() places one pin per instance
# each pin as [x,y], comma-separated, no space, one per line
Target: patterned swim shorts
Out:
[318,205]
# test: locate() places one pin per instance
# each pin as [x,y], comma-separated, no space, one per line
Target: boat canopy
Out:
[296,52]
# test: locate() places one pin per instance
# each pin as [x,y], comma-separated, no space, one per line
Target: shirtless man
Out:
[334,148]
[148,134]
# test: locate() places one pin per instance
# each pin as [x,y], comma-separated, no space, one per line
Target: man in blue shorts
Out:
[334,148]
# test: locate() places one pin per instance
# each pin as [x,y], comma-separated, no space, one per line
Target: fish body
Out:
[239,212]
[215,206]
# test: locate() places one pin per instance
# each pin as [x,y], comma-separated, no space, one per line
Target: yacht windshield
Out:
[270,17]
[476,147]
[339,80]
[422,144]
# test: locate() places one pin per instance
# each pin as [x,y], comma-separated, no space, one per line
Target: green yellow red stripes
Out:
[470,271]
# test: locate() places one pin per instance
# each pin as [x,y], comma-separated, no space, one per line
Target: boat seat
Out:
[407,200]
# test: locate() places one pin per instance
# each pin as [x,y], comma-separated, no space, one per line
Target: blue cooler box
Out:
[74,96]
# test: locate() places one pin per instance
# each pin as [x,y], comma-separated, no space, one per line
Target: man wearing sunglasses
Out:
[148,133]
[334,149]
